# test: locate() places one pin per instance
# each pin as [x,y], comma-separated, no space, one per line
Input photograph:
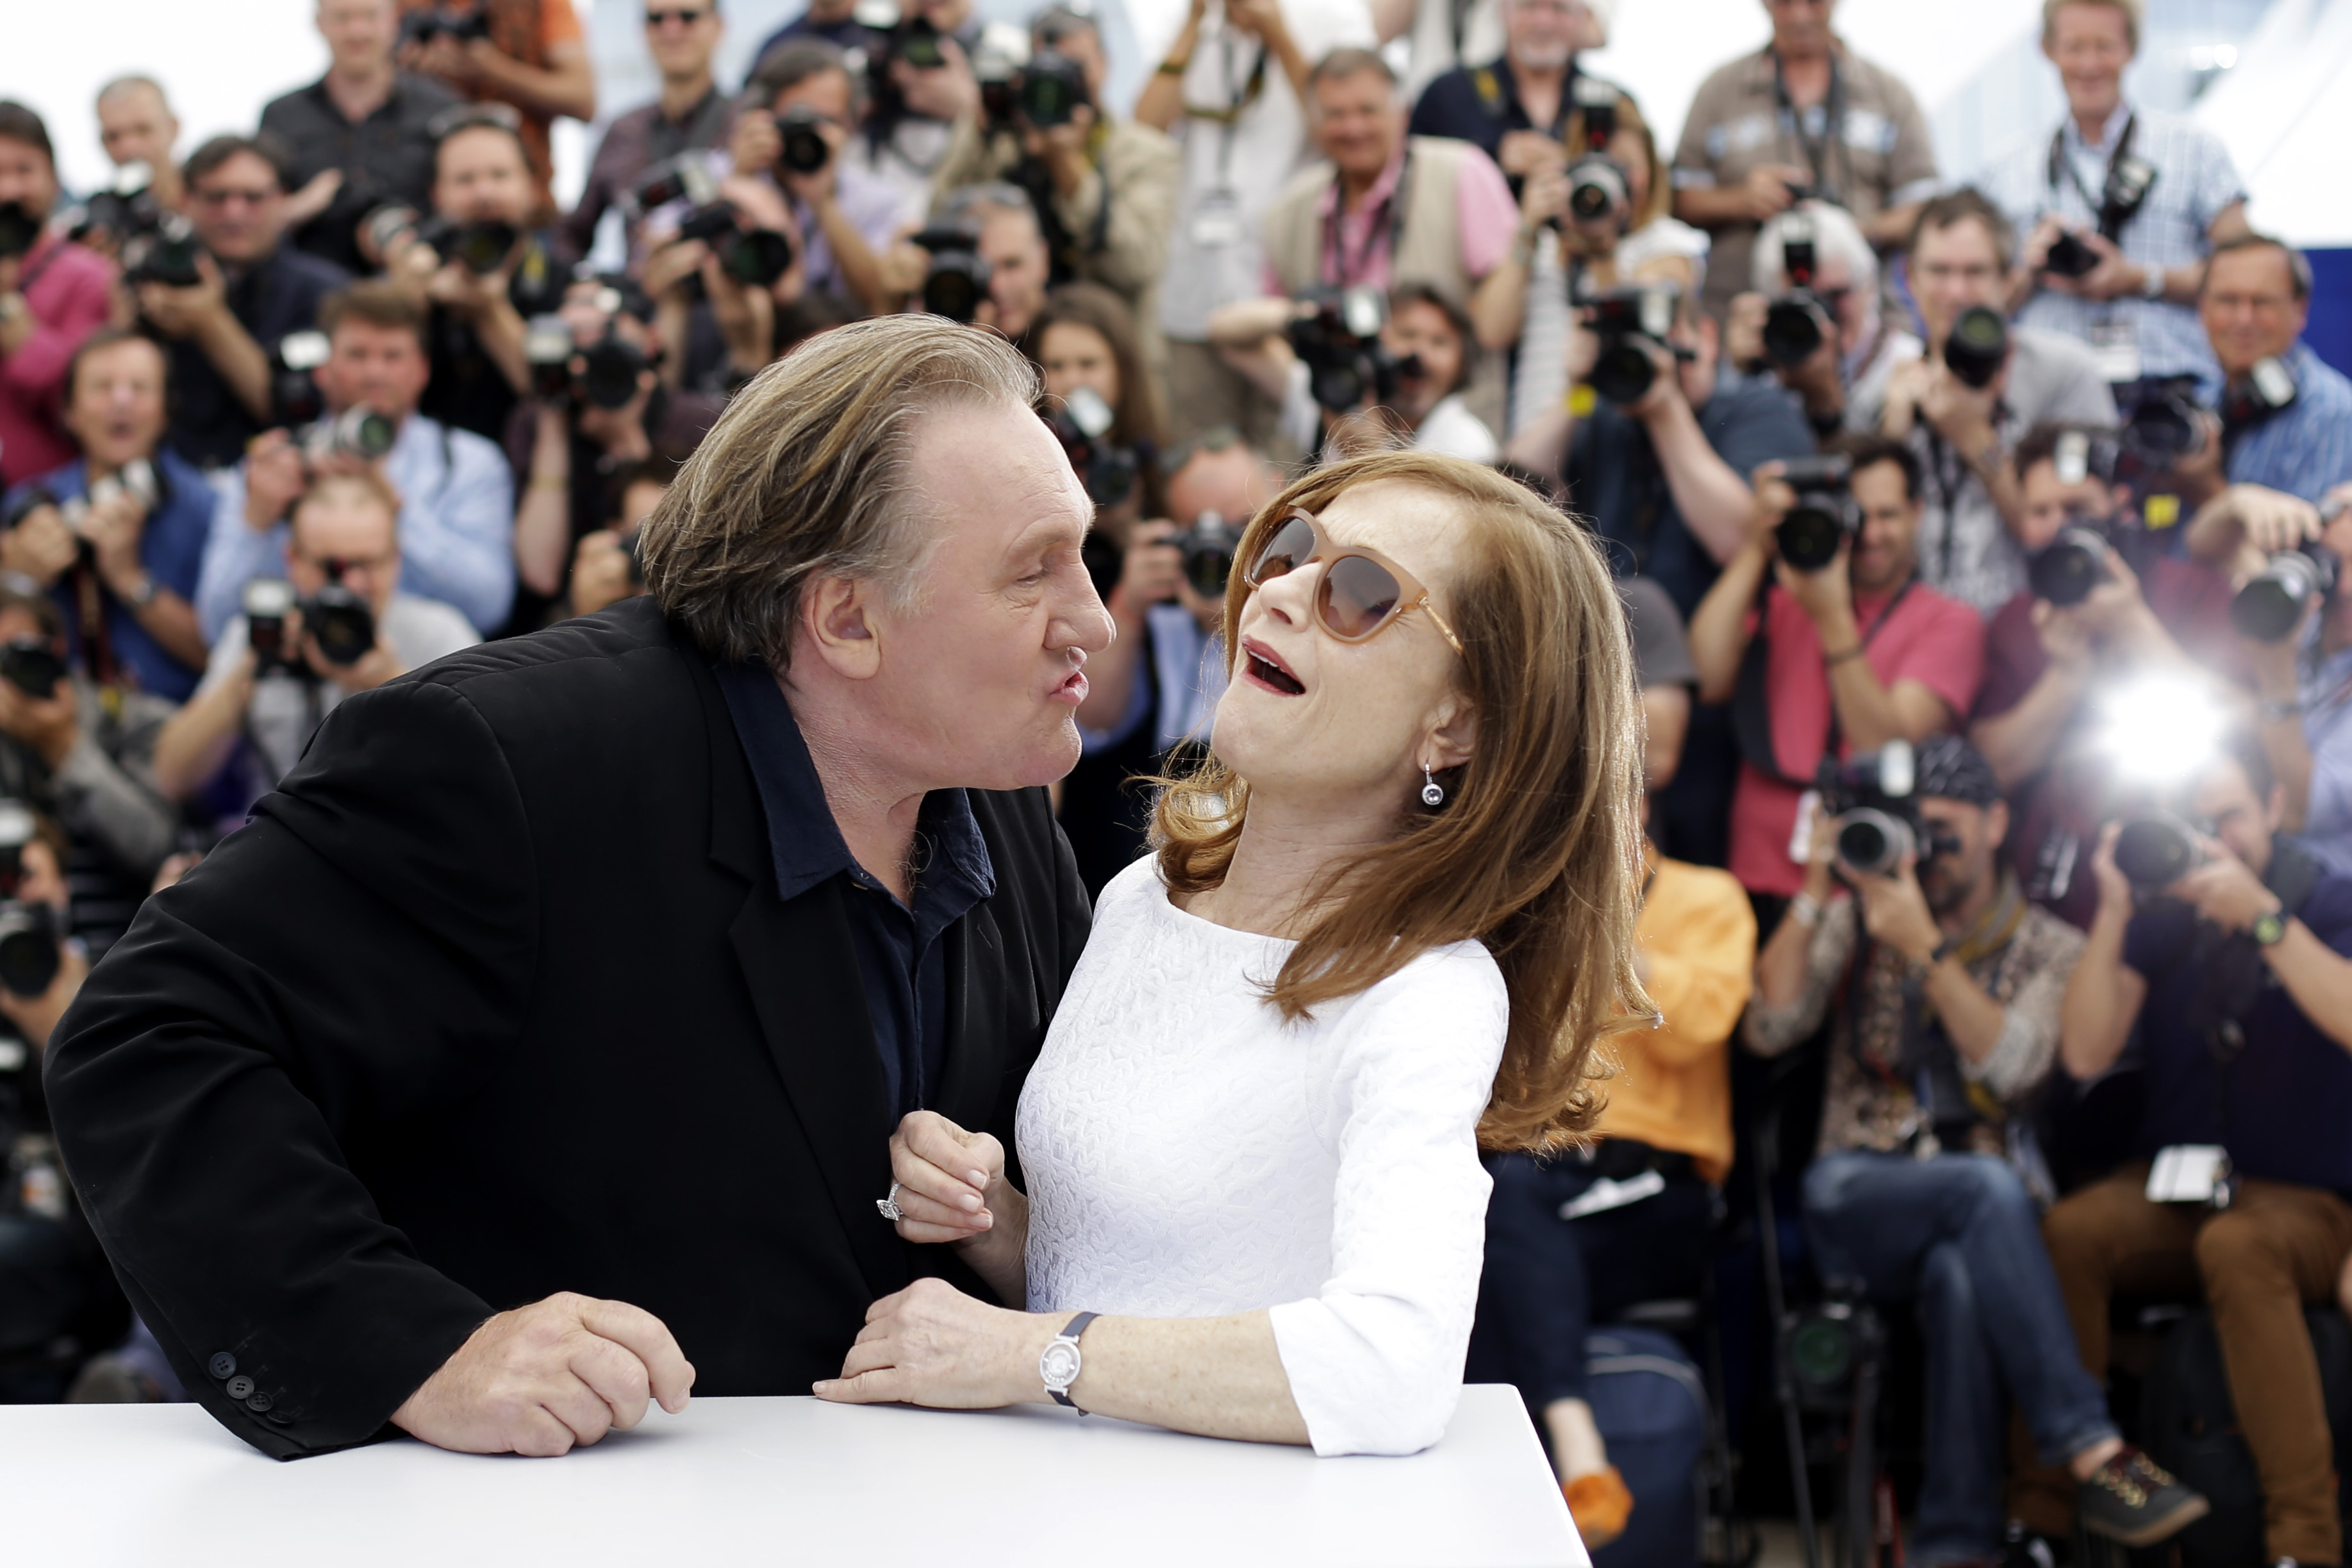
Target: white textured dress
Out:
[1189,1154]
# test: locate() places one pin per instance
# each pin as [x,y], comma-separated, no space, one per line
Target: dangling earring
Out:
[1433,793]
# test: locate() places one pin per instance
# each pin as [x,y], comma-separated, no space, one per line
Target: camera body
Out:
[423,26]
[1976,346]
[1340,346]
[1823,517]
[2267,387]
[957,279]
[359,431]
[126,207]
[806,151]
[1827,1346]
[1626,321]
[2069,256]
[340,621]
[32,666]
[166,254]
[1082,423]
[2270,604]
[1796,324]
[2160,427]
[1208,547]
[1049,90]
[1872,803]
[2071,565]
[607,372]
[20,229]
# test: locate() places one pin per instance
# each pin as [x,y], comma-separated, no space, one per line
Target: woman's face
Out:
[1420,328]
[1076,356]
[1316,722]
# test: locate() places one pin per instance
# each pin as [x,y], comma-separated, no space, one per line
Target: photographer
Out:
[527,55]
[1425,351]
[1001,226]
[252,291]
[1519,108]
[482,267]
[2234,981]
[1154,690]
[118,535]
[1104,187]
[2284,419]
[1838,660]
[845,216]
[831,22]
[1980,386]
[2129,606]
[1088,343]
[716,329]
[605,569]
[1842,380]
[136,125]
[599,416]
[1941,984]
[343,537]
[1804,116]
[357,136]
[919,82]
[2119,208]
[457,506]
[53,294]
[691,113]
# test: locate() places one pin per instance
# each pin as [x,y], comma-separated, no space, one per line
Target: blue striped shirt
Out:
[2306,446]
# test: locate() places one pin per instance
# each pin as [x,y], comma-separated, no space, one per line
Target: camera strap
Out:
[2111,216]
[1792,118]
[1751,697]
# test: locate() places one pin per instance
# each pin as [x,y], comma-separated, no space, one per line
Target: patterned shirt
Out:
[2195,182]
[1868,1104]
[2306,447]
[2327,732]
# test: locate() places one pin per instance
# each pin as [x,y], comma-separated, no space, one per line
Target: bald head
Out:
[135,123]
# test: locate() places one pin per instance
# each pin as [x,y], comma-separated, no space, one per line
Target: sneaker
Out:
[2131,1499]
[1599,1503]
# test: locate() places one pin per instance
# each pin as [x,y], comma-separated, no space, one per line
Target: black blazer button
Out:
[239,1387]
[223,1364]
[258,1404]
[281,1418]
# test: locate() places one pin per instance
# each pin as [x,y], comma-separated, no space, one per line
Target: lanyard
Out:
[1335,252]
[2060,162]
[1238,100]
[1832,107]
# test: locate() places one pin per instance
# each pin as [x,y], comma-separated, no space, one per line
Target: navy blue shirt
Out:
[277,296]
[172,549]
[1614,479]
[2283,1108]
[1479,103]
[901,959]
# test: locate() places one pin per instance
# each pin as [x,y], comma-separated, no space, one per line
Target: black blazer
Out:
[495,998]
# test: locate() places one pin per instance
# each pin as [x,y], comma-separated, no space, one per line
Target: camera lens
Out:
[2155,852]
[1822,1352]
[1623,372]
[1978,345]
[955,285]
[2070,566]
[1793,332]
[806,150]
[32,666]
[758,257]
[481,248]
[2271,605]
[18,229]
[343,624]
[1810,534]
[1872,841]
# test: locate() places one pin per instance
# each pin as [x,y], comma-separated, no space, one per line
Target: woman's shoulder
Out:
[1458,988]
[1133,890]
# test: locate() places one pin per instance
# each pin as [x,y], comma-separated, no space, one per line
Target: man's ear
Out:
[838,624]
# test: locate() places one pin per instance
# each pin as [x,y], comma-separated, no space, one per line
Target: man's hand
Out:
[1061,148]
[447,57]
[545,1378]
[2034,255]
[2225,889]
[1961,414]
[1906,386]
[818,188]
[754,144]
[2115,887]
[48,727]
[600,572]
[1544,198]
[316,194]
[1522,153]
[2066,635]
[2114,277]
[1665,387]
[1768,189]
[41,547]
[1153,572]
[274,478]
[186,312]
[949,91]
[1743,328]
[1825,596]
[474,294]
[2272,519]
[1895,914]
[621,432]
[114,529]
[1261,19]
[2116,612]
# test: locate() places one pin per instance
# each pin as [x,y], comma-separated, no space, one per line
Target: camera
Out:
[1600,192]
[166,254]
[957,279]
[294,396]
[2069,256]
[914,39]
[32,666]
[341,623]
[423,26]
[1049,89]
[2161,427]
[265,602]
[1340,346]
[806,150]
[128,207]
[1874,809]
[358,432]
[1796,324]
[607,373]
[480,246]
[2071,565]
[1081,423]
[1626,321]
[2155,849]
[1209,546]
[2270,604]
[1824,516]
[30,950]
[1978,345]
[2267,387]
[1826,1347]
[754,258]
[20,228]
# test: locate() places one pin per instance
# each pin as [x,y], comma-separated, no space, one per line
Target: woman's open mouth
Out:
[1260,665]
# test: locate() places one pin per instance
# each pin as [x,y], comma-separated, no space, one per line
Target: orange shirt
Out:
[524,30]
[1671,1089]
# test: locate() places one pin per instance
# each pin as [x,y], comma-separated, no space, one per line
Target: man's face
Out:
[1950,880]
[1800,28]
[382,367]
[2249,306]
[1886,549]
[2242,819]
[26,177]
[1359,122]
[2090,45]
[680,35]
[1541,34]
[359,33]
[1084,46]
[1421,327]
[2049,502]
[239,210]
[1015,254]
[1952,268]
[351,532]
[978,682]
[135,126]
[947,16]
[826,93]
[479,174]
[117,408]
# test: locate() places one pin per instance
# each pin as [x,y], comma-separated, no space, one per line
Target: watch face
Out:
[1059,1365]
[2269,928]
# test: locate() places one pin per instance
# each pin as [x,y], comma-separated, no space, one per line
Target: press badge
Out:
[2189,1173]
[1217,221]
[2115,345]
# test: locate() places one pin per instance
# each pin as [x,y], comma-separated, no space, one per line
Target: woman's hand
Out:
[932,1344]
[947,1178]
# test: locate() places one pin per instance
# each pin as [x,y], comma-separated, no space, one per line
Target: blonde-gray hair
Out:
[806,475]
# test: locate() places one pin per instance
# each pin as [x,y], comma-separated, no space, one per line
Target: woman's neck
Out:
[1284,859]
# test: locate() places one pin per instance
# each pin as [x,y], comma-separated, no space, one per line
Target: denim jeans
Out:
[1959,1235]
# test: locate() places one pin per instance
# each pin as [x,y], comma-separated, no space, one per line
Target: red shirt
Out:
[1924,637]
[67,297]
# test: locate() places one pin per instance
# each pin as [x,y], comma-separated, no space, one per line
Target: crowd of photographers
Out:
[1980,540]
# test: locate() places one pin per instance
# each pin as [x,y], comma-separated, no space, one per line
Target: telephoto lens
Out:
[2064,570]
[1824,516]
[1976,346]
[609,370]
[1626,321]
[264,602]
[917,41]
[1051,86]
[806,150]
[2156,851]
[2271,605]
[32,666]
[481,247]
[1792,328]
[1208,547]
[358,432]
[341,623]
[1599,195]
[757,257]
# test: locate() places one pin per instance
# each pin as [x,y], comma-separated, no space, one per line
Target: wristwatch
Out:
[2152,288]
[1059,1363]
[141,594]
[2268,926]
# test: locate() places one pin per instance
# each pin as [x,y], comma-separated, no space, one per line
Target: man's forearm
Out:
[240,361]
[2281,720]
[2318,978]
[2097,1016]
[569,88]
[1499,306]
[501,331]
[2021,742]
[1864,707]
[1712,206]
[860,268]
[1714,502]
[98,801]
[1972,1020]
[172,621]
[194,742]
[1719,627]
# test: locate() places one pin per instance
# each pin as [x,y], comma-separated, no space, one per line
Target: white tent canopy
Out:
[2285,114]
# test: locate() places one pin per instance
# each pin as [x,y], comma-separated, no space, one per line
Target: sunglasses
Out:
[1363,593]
[683,19]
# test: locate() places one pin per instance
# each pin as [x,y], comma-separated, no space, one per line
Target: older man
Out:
[418,1103]
[136,125]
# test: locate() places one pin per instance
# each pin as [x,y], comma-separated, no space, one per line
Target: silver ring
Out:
[889,1206]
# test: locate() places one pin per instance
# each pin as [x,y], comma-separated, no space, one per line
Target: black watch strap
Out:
[1071,1331]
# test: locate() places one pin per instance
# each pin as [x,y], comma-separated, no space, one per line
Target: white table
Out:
[786,1480]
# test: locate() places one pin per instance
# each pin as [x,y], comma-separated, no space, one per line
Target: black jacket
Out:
[497,998]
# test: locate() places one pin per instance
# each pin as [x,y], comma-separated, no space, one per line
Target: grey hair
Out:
[808,474]
[1836,238]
